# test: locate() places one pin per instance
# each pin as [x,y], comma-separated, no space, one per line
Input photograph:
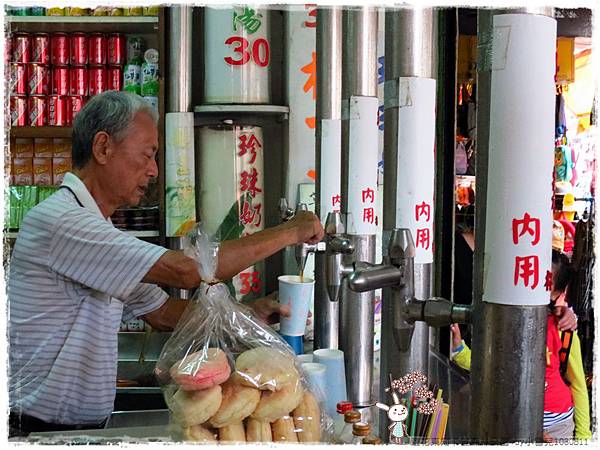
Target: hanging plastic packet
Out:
[226,377]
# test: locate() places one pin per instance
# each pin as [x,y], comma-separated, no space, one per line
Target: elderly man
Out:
[73,276]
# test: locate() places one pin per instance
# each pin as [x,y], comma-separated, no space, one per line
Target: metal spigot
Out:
[397,273]
[285,213]
[337,247]
[302,251]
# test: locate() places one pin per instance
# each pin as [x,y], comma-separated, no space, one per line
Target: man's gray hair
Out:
[112,112]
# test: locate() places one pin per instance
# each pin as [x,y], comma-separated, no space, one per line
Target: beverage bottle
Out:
[350,418]
[360,430]
[338,424]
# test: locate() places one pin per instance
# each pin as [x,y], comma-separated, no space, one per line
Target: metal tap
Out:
[397,273]
[337,246]
[301,251]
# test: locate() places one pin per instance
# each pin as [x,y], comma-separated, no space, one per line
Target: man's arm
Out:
[175,269]
[166,317]
[236,255]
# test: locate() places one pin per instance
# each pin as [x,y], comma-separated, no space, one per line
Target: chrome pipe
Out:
[356,328]
[179,79]
[328,150]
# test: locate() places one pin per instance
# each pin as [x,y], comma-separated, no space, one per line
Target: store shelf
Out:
[250,109]
[40,132]
[130,24]
[139,234]
[205,114]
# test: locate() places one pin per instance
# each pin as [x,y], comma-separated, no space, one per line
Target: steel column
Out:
[179,85]
[409,51]
[508,364]
[359,82]
[328,146]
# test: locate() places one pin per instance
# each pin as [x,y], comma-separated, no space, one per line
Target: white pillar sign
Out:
[331,167]
[416,162]
[518,235]
[362,165]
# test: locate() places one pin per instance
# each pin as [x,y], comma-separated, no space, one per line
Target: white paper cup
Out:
[305,358]
[298,295]
[315,375]
[335,376]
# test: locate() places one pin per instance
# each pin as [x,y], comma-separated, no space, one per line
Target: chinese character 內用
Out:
[527,267]
[524,225]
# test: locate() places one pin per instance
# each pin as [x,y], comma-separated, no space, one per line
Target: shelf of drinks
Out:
[139,234]
[40,132]
[106,24]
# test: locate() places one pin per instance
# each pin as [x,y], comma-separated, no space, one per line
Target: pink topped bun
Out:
[201,370]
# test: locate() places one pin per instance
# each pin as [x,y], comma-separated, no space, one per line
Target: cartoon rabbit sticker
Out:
[397,413]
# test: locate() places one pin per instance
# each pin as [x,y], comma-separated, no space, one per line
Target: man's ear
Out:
[101,147]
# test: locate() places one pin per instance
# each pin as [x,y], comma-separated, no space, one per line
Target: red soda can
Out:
[38,78]
[37,109]
[59,45]
[79,49]
[97,79]
[40,48]
[18,79]
[57,111]
[78,80]
[115,78]
[97,49]
[74,104]
[60,81]
[18,111]
[21,48]
[116,44]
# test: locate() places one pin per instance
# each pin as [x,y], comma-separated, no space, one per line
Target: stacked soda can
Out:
[52,75]
[79,11]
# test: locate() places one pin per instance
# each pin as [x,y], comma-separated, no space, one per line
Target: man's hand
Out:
[307,228]
[268,310]
[567,319]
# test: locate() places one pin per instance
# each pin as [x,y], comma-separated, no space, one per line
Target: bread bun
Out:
[238,403]
[283,430]
[233,433]
[275,405]
[266,369]
[201,370]
[190,408]
[307,419]
[197,433]
[257,431]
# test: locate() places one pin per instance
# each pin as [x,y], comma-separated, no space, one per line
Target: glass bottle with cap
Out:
[360,430]
[350,418]
[341,408]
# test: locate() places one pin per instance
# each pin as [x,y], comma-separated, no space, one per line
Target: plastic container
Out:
[338,420]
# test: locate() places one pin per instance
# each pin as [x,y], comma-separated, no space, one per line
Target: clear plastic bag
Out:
[227,377]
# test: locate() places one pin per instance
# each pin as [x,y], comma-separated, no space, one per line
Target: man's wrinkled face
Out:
[133,160]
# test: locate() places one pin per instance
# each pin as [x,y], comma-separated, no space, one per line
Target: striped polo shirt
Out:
[72,278]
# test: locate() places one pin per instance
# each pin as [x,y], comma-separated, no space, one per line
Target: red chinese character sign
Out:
[231,200]
[416,163]
[362,166]
[238,55]
[518,217]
